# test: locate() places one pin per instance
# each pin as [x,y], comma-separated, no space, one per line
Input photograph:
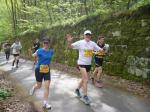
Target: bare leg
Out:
[84,80]
[46,92]
[99,74]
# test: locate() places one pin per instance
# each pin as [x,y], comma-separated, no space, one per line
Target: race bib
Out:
[88,53]
[101,53]
[44,68]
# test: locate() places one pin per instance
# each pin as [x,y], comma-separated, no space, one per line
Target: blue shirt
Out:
[44,57]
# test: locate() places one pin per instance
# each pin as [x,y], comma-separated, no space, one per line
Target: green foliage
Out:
[131,42]
[4,94]
[56,18]
[5,21]
[140,3]
[19,17]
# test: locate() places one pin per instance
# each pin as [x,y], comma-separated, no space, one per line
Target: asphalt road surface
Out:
[62,97]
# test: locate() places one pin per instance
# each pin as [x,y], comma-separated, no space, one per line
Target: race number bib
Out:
[44,68]
[88,53]
[101,53]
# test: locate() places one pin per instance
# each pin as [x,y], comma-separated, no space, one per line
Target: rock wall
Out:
[127,33]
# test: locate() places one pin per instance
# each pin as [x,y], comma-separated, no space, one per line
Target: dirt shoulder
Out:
[13,98]
[126,85]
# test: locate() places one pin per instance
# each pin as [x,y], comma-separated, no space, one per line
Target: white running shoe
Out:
[31,92]
[47,106]
[12,67]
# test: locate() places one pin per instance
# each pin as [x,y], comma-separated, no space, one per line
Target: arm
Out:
[12,45]
[69,40]
[35,54]
[97,48]
[20,45]
[75,45]
[106,48]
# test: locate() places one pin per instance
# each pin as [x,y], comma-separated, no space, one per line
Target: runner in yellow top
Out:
[98,58]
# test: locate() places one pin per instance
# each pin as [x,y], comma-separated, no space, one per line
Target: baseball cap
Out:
[87,32]
[46,39]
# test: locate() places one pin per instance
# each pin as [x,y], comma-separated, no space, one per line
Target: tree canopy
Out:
[18,17]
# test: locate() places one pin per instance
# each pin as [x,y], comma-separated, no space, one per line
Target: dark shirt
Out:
[7,47]
[102,53]
[36,46]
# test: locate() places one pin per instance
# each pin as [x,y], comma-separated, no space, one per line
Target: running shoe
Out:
[86,100]
[31,92]
[47,106]
[98,84]
[78,93]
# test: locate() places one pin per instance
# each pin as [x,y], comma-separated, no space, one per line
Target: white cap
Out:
[87,32]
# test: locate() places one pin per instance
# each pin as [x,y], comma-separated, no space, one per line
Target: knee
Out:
[99,69]
[38,86]
[85,80]
[47,87]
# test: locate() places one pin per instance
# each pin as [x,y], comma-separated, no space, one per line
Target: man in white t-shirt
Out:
[86,48]
[16,47]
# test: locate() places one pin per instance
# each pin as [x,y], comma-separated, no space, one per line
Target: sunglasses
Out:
[88,34]
[46,42]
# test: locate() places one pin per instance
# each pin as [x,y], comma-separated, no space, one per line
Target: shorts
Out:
[15,55]
[7,52]
[87,67]
[98,61]
[40,76]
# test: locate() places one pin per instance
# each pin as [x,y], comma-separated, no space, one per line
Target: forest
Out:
[19,17]
[125,23]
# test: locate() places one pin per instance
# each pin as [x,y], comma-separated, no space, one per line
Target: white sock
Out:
[45,102]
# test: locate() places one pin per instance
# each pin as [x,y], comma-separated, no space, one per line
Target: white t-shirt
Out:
[16,48]
[85,51]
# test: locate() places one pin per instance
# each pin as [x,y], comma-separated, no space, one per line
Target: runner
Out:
[98,57]
[85,47]
[36,46]
[42,70]
[7,46]
[16,48]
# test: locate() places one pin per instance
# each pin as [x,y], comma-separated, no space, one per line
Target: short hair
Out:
[99,37]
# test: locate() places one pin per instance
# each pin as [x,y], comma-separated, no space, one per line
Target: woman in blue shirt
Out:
[42,70]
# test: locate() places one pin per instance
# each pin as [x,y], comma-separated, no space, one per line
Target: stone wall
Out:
[127,33]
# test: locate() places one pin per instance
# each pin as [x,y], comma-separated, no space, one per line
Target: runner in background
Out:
[98,59]
[16,49]
[7,47]
[36,46]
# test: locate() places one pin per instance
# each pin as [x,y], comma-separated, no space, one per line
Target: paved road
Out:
[62,96]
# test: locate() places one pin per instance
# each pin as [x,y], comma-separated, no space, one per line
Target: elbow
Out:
[33,55]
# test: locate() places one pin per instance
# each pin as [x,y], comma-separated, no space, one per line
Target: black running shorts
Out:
[40,76]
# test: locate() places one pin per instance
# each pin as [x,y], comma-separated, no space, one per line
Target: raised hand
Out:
[69,37]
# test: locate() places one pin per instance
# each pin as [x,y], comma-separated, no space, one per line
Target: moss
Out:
[132,36]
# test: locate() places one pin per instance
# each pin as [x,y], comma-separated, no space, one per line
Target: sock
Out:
[45,101]
[13,63]
[17,62]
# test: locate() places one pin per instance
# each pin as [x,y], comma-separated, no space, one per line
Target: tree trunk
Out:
[128,4]
[85,6]
[13,16]
[50,18]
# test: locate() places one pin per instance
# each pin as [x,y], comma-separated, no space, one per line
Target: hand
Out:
[69,37]
[95,52]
